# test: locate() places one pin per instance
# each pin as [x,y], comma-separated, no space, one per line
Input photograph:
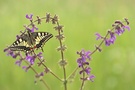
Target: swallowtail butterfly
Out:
[30,41]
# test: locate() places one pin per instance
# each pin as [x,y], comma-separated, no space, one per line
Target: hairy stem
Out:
[62,57]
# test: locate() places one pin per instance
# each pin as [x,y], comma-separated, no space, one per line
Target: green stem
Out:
[49,69]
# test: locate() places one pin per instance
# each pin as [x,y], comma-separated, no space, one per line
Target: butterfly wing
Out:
[21,44]
[41,38]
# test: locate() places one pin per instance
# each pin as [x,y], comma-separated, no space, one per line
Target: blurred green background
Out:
[113,67]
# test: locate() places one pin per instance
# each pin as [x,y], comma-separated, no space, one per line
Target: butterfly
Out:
[30,41]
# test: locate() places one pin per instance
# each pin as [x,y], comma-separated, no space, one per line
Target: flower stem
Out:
[62,57]
[49,69]
[83,81]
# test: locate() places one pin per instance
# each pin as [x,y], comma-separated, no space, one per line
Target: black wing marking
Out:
[20,48]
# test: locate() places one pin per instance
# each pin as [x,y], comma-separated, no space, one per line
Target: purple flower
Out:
[86,70]
[33,28]
[25,68]
[40,55]
[83,64]
[91,77]
[107,42]
[119,31]
[112,37]
[18,62]
[29,16]
[27,28]
[98,36]
[11,53]
[31,59]
[42,74]
[82,61]
[84,55]
[126,27]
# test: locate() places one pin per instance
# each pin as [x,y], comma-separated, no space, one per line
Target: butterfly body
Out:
[30,41]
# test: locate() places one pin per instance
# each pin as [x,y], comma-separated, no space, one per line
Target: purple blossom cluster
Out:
[29,57]
[118,28]
[84,59]
[83,64]
[33,28]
